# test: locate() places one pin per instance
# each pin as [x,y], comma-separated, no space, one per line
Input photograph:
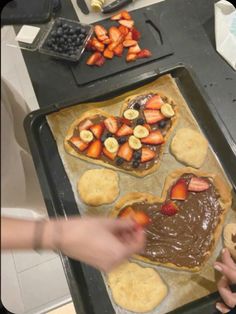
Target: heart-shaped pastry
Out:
[133,142]
[185,223]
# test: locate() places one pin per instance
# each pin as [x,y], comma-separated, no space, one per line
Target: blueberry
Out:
[69,40]
[105,136]
[53,34]
[65,26]
[81,36]
[78,29]
[137,155]
[74,36]
[136,106]
[135,164]
[61,40]
[122,140]
[119,161]
[162,124]
[140,121]
[83,31]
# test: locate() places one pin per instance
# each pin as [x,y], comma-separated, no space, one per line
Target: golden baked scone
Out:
[135,288]
[189,147]
[98,186]
[133,142]
[229,235]
[186,220]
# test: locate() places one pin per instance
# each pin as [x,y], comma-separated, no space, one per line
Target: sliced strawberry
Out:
[135,49]
[179,190]
[116,17]
[76,141]
[114,34]
[136,35]
[85,125]
[198,184]
[100,30]
[125,15]
[129,43]
[131,57]
[106,41]
[147,126]
[147,154]
[169,209]
[145,53]
[97,130]
[129,36]
[126,212]
[95,149]
[141,218]
[98,45]
[124,130]
[153,116]
[118,51]
[126,23]
[112,46]
[100,61]
[124,30]
[154,103]
[111,124]
[126,121]
[94,58]
[154,138]
[111,156]
[108,53]
[125,152]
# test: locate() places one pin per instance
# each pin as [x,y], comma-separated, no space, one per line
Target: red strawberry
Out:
[147,154]
[154,103]
[100,61]
[141,218]
[97,130]
[154,138]
[95,149]
[126,23]
[98,45]
[118,51]
[85,125]
[124,130]
[111,156]
[112,46]
[131,57]
[106,41]
[125,152]
[179,190]
[126,212]
[114,34]
[153,116]
[94,58]
[129,43]
[124,30]
[116,17]
[100,31]
[76,141]
[108,53]
[145,53]
[111,124]
[198,184]
[125,15]
[169,209]
[135,49]
[147,126]
[129,36]
[126,121]
[136,35]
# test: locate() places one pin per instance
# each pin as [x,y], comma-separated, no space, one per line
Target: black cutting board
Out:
[153,38]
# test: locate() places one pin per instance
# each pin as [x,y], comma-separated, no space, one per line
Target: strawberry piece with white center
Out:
[179,190]
[153,116]
[197,184]
[154,103]
[124,130]
[85,125]
[95,149]
[97,130]
[77,142]
[147,154]
[169,209]
[111,124]
[125,152]
[154,138]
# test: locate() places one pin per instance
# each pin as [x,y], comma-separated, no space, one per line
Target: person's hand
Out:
[100,242]
[228,269]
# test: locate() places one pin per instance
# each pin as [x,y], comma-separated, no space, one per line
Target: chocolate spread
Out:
[141,100]
[185,238]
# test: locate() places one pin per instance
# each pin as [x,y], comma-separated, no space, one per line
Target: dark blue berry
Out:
[122,140]
[140,121]
[135,164]
[136,106]
[162,124]
[119,161]
[137,155]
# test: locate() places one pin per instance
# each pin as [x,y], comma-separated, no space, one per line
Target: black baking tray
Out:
[86,284]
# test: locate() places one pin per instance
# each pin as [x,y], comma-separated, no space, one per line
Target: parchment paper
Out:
[184,287]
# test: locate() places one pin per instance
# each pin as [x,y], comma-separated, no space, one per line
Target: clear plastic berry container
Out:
[66,39]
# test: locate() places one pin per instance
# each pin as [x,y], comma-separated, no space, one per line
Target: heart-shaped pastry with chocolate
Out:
[183,225]
[133,142]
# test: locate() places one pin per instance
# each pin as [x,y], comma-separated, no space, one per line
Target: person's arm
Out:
[101,242]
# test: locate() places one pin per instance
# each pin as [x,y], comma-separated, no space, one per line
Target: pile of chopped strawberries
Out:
[107,44]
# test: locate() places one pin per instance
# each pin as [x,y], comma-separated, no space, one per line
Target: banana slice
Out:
[167,110]
[111,144]
[134,142]
[131,114]
[97,4]
[140,131]
[86,136]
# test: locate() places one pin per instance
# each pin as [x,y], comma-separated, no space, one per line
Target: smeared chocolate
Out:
[185,238]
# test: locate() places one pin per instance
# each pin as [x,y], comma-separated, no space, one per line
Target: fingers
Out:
[227,259]
[227,295]
[221,307]
[136,243]
[226,270]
